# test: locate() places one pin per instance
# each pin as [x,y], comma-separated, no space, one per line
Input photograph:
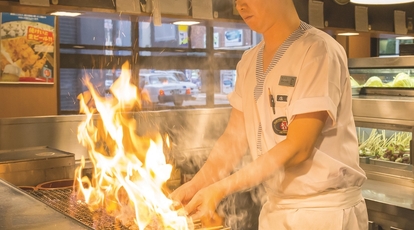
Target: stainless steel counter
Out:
[387,193]
[390,206]
[21,211]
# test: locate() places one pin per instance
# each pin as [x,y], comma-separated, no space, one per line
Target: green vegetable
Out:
[353,82]
[393,148]
[402,80]
[374,81]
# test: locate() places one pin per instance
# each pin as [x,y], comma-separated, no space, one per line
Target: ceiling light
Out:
[380,2]
[348,34]
[66,14]
[405,38]
[186,23]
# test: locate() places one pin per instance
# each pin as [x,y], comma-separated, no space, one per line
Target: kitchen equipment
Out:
[64,200]
[32,166]
[22,211]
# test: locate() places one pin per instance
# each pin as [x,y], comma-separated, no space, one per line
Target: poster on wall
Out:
[183,35]
[233,38]
[27,44]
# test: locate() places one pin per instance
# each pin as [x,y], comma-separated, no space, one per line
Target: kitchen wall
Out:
[28,100]
[356,46]
[42,100]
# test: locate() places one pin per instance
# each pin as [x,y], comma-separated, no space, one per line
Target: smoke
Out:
[241,210]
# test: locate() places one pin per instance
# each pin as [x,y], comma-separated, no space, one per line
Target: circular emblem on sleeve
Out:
[280,126]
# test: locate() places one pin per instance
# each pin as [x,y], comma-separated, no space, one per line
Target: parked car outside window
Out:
[182,79]
[163,88]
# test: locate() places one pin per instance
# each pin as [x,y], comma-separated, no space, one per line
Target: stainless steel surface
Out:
[387,91]
[389,205]
[31,166]
[399,110]
[19,211]
[58,132]
[382,62]
[390,164]
[187,129]
[389,174]
[382,123]
[389,193]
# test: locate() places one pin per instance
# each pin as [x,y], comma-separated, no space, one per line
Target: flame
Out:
[129,171]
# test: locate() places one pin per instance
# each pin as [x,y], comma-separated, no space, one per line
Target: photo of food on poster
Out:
[27,44]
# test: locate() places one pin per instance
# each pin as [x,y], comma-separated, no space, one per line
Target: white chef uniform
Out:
[308,74]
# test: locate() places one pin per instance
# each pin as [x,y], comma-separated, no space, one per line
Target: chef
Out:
[292,110]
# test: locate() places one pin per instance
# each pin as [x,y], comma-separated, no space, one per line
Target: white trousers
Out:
[343,209]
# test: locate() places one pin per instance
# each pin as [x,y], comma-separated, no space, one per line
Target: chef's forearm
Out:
[221,162]
[226,153]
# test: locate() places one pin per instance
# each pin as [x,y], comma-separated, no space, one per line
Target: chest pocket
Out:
[282,96]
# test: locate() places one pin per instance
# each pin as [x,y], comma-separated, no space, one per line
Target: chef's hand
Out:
[183,194]
[203,205]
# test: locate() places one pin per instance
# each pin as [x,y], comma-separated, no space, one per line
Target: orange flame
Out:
[128,170]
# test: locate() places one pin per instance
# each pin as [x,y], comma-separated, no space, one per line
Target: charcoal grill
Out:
[19,210]
[64,201]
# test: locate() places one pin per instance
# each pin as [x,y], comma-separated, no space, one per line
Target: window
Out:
[95,47]
[391,46]
[168,54]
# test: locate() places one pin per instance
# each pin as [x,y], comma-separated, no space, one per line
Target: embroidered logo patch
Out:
[280,126]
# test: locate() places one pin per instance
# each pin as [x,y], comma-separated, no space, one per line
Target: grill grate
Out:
[64,201]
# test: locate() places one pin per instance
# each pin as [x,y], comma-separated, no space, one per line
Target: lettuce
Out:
[374,81]
[353,82]
[402,80]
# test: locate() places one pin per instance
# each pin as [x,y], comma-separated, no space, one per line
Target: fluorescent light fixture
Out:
[65,14]
[186,23]
[348,34]
[405,38]
[380,2]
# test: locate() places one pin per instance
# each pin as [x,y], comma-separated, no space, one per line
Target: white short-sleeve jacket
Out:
[311,74]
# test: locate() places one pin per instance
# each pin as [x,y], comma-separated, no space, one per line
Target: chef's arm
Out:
[227,152]
[298,146]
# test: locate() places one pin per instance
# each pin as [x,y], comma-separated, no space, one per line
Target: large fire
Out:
[129,171]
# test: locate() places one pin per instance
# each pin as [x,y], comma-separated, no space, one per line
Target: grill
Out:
[64,201]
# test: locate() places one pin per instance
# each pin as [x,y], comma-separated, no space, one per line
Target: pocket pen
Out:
[272,101]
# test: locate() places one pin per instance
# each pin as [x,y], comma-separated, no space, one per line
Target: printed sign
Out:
[27,48]
[233,38]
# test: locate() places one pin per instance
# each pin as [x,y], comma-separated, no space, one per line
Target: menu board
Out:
[27,45]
